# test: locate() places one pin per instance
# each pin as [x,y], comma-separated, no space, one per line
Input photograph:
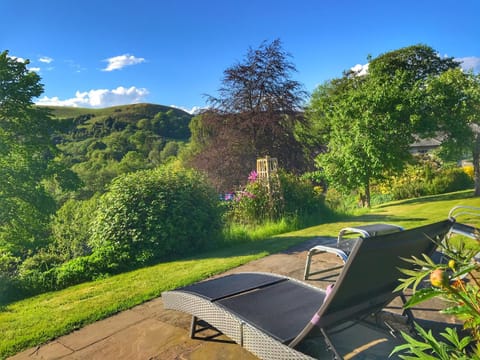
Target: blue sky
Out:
[110,52]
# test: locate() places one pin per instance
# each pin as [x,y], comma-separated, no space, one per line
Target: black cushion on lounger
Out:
[230,285]
[367,281]
[281,310]
[346,245]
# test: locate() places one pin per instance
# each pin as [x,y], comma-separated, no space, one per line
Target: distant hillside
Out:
[99,144]
[132,112]
[163,120]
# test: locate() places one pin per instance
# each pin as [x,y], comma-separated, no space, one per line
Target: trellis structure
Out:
[266,167]
[266,171]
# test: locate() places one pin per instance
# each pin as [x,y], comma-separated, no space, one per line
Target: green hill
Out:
[100,144]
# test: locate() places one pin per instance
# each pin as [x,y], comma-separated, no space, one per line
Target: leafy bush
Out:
[85,268]
[71,228]
[462,297]
[285,195]
[37,273]
[156,214]
[341,203]
[426,177]
[449,180]
[8,269]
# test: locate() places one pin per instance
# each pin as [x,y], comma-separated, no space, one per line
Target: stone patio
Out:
[148,331]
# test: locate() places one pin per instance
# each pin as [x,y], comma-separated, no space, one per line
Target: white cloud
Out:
[45,59]
[360,69]
[193,110]
[35,69]
[470,63]
[99,98]
[119,62]
[19,59]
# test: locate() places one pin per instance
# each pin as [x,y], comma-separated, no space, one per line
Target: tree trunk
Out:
[367,194]
[476,163]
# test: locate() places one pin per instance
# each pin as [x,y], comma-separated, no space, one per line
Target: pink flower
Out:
[253,176]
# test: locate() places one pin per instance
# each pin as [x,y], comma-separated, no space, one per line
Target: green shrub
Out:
[8,270]
[71,228]
[156,214]
[449,180]
[341,203]
[285,195]
[253,205]
[426,177]
[37,272]
[300,196]
[86,268]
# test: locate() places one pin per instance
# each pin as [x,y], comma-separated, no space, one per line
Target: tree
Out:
[26,160]
[454,98]
[368,121]
[254,115]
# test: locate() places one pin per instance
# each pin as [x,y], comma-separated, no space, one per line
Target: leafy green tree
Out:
[454,98]
[254,115]
[369,121]
[26,160]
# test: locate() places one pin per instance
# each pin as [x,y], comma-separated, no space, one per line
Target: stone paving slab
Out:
[150,332]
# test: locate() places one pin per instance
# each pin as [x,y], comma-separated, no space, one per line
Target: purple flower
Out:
[228,196]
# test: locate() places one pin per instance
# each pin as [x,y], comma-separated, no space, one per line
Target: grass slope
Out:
[134,112]
[41,318]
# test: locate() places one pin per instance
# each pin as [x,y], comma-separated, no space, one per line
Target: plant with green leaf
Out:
[457,283]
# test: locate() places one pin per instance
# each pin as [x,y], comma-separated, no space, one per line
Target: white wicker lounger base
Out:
[244,334]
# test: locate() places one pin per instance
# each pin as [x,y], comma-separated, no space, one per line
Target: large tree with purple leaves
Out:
[255,114]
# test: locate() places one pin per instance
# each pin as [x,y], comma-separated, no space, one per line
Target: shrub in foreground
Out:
[456,282]
[156,214]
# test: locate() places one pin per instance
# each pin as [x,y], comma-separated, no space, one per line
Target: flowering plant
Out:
[456,282]
[252,177]
[252,204]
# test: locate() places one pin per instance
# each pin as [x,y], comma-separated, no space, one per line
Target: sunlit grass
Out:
[237,233]
[41,318]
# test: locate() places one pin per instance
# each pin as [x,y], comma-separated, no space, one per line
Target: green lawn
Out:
[41,318]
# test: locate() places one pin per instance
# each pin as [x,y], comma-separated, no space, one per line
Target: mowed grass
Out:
[36,320]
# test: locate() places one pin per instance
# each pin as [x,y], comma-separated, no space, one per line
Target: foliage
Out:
[285,195]
[37,272]
[156,214]
[27,155]
[368,121]
[425,177]
[100,144]
[256,114]
[462,297]
[455,102]
[71,228]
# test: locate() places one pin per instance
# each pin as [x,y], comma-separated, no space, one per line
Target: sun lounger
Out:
[458,215]
[464,229]
[343,247]
[272,315]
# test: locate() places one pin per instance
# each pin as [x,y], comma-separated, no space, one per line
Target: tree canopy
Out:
[454,98]
[26,159]
[254,115]
[369,121]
